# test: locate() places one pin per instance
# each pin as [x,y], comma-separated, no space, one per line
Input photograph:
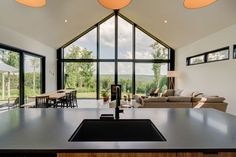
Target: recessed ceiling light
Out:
[32,3]
[66,20]
[165,21]
[114,4]
[194,4]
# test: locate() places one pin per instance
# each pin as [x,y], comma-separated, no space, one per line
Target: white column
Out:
[3,86]
[9,85]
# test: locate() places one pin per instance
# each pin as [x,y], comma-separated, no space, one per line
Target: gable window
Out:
[83,48]
[114,51]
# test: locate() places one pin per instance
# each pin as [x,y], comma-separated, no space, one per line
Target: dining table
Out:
[55,96]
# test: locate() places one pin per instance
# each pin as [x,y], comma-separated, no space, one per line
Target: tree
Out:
[159,53]
[11,58]
[35,64]
[163,83]
[79,74]
[105,83]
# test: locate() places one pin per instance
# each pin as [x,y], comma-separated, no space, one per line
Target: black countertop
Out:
[50,129]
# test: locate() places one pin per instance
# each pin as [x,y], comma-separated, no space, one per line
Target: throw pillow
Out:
[196,93]
[154,92]
[137,98]
[168,92]
[178,92]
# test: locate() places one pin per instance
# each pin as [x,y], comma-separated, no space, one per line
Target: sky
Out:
[107,44]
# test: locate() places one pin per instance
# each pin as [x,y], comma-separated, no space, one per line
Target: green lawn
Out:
[86,95]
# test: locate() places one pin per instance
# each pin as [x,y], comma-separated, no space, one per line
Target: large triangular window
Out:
[115,51]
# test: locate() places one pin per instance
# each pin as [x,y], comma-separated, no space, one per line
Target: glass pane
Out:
[83,48]
[124,39]
[81,76]
[196,60]
[9,78]
[219,55]
[107,39]
[125,78]
[32,75]
[148,48]
[149,76]
[107,72]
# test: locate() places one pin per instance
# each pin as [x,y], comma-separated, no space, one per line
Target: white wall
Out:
[217,78]
[21,41]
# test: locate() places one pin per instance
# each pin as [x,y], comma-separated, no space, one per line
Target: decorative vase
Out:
[105,99]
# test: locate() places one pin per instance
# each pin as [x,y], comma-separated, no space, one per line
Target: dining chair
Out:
[66,101]
[74,98]
[41,101]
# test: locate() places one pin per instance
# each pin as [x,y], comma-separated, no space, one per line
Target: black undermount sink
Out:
[117,130]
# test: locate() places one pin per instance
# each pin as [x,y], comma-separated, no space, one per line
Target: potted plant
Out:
[105,95]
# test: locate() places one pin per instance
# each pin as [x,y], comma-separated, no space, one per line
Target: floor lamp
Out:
[171,75]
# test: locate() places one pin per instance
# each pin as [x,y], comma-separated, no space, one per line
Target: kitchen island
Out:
[188,133]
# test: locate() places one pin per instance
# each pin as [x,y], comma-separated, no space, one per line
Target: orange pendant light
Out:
[194,4]
[33,3]
[114,4]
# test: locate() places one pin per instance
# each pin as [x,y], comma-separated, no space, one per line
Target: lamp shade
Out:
[193,4]
[32,3]
[171,74]
[114,4]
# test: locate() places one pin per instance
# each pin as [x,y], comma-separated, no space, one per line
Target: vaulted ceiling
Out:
[184,26]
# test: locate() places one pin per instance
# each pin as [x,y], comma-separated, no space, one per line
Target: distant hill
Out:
[142,78]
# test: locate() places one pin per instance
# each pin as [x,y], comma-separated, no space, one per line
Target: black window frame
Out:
[234,51]
[205,54]
[188,60]
[22,53]
[60,54]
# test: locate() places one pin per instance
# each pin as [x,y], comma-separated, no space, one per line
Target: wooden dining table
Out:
[55,96]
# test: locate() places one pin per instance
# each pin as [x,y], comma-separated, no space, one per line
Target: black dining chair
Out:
[66,101]
[74,98]
[41,101]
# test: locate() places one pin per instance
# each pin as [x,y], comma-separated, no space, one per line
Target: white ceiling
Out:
[184,26]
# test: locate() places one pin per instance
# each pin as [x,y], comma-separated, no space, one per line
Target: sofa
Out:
[183,99]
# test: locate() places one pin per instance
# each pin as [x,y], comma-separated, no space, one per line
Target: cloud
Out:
[107,33]
[143,55]
[124,34]
[125,54]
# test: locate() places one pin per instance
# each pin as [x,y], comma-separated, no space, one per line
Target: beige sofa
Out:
[174,99]
[210,102]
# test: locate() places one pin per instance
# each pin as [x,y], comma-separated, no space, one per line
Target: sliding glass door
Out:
[32,77]
[9,78]
[22,76]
